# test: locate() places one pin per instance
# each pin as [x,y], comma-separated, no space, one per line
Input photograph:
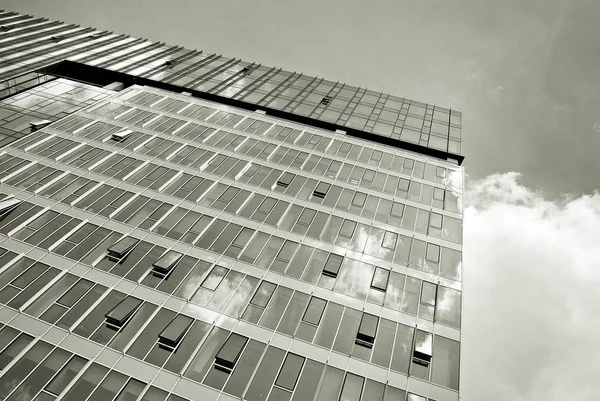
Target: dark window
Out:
[290,371]
[166,263]
[332,266]
[367,330]
[230,352]
[321,189]
[285,180]
[326,100]
[118,316]
[122,248]
[172,335]
[380,279]
[314,311]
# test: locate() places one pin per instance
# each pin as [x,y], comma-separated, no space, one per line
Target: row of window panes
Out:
[44,371]
[345,150]
[119,322]
[347,276]
[343,199]
[195,157]
[304,221]
[155,176]
[183,224]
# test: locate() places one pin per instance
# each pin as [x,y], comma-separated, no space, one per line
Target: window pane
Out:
[288,376]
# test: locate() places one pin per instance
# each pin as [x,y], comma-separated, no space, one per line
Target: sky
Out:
[525,75]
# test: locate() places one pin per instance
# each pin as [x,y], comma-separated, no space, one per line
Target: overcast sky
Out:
[526,76]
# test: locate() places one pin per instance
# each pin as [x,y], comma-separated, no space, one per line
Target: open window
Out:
[171,336]
[122,135]
[8,205]
[423,348]
[230,352]
[321,190]
[285,180]
[118,316]
[163,266]
[120,249]
[367,330]
[37,125]
[325,101]
[333,264]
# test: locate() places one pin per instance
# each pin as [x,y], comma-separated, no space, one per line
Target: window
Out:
[367,330]
[8,205]
[314,311]
[389,240]
[326,100]
[433,253]
[118,316]
[119,251]
[380,279]
[121,135]
[285,180]
[435,221]
[172,335]
[212,281]
[422,352]
[428,297]
[397,210]
[66,375]
[290,371]
[332,266]
[359,199]
[321,189]
[353,387]
[438,194]
[306,217]
[403,185]
[230,352]
[347,228]
[263,294]
[163,266]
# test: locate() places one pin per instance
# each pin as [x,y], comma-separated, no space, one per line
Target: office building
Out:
[176,226]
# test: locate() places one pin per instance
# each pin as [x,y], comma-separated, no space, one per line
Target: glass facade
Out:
[156,246]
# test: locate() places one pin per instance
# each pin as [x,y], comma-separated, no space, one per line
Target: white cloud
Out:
[531,277]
